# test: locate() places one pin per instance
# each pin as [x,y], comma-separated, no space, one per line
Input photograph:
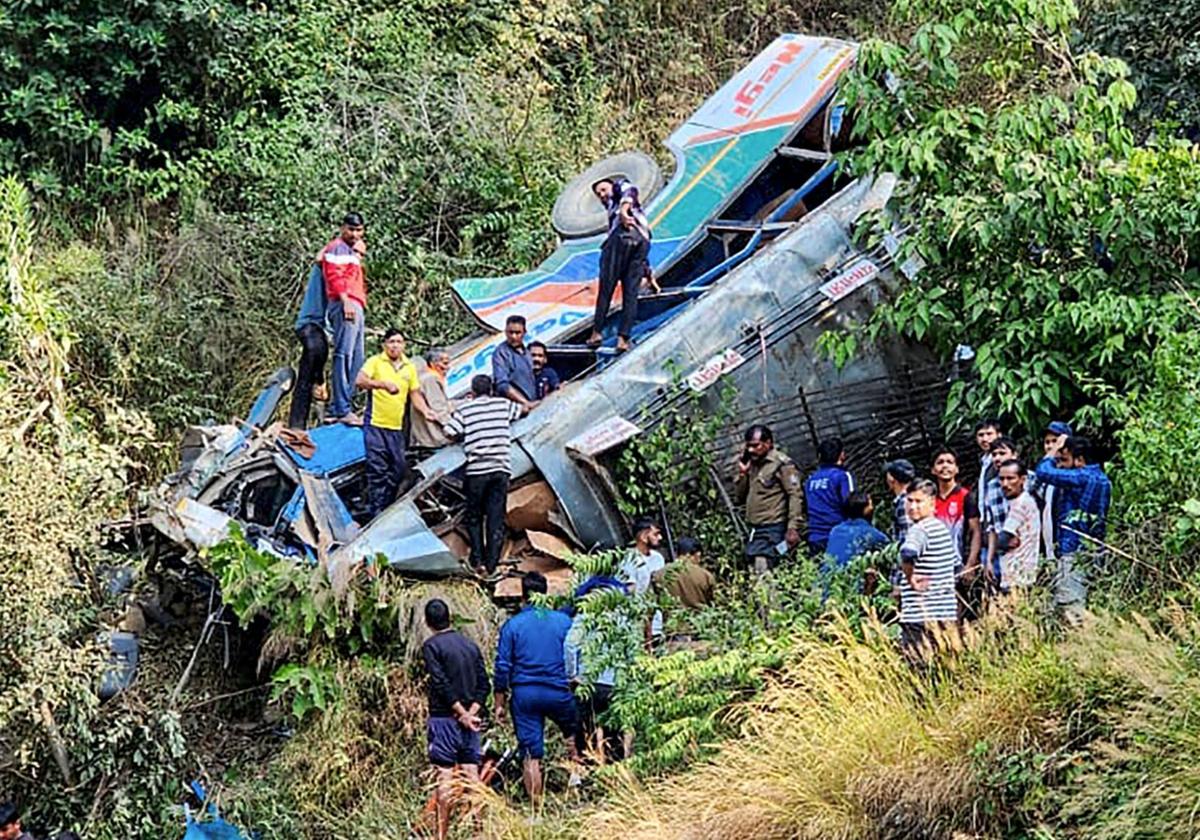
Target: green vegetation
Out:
[170,169]
[1053,245]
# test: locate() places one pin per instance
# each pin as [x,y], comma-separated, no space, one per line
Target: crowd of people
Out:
[958,546]
[407,404]
[550,665]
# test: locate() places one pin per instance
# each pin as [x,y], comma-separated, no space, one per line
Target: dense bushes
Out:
[1053,245]
[849,742]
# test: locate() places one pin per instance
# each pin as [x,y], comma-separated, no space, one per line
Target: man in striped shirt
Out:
[928,606]
[484,425]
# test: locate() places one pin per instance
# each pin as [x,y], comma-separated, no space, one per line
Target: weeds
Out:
[848,742]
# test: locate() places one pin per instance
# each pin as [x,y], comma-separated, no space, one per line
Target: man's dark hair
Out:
[944,450]
[687,545]
[642,523]
[1013,462]
[353,220]
[763,432]
[437,614]
[609,181]
[1080,447]
[989,423]
[533,344]
[392,331]
[532,583]
[481,385]
[1006,442]
[857,504]
[829,451]
[515,319]
[9,813]
[902,470]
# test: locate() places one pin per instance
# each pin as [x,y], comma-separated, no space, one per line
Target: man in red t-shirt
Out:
[956,506]
[346,302]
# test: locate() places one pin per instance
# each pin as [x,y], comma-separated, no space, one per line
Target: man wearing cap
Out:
[1044,493]
[346,302]
[899,474]
[10,823]
[1080,515]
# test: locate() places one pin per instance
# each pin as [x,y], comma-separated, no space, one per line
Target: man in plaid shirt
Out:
[1080,510]
[994,504]
[899,474]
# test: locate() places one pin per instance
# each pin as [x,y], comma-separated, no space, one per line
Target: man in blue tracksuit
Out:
[530,664]
[314,344]
[825,494]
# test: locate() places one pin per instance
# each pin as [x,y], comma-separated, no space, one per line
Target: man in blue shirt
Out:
[314,350]
[825,494]
[545,377]
[856,535]
[1083,494]
[530,664]
[512,369]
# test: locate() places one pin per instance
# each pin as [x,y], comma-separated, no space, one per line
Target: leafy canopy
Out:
[1053,245]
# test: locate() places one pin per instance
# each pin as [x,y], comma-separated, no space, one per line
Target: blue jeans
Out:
[348,355]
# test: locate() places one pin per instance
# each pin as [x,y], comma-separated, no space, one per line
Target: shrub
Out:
[849,741]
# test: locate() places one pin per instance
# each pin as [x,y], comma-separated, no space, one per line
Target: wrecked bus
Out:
[754,254]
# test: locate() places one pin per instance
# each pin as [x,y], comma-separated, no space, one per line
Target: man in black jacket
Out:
[458,691]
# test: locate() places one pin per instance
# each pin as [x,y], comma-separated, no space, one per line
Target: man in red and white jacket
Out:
[346,302]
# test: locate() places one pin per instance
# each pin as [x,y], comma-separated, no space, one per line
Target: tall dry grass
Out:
[851,743]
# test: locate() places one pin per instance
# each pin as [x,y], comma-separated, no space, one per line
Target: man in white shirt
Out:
[639,566]
[1020,532]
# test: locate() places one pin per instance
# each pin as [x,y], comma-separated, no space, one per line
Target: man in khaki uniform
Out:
[772,489]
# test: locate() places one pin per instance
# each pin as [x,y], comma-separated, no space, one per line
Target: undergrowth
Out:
[849,742]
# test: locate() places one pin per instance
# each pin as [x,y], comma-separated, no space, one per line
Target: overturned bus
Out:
[754,257]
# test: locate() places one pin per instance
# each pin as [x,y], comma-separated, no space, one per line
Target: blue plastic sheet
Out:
[338,446]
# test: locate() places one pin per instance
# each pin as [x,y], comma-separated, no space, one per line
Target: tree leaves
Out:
[1051,240]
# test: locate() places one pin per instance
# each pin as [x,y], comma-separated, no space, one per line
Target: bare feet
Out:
[623,344]
[594,340]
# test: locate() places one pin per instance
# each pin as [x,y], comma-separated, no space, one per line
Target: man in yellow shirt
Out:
[389,379]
